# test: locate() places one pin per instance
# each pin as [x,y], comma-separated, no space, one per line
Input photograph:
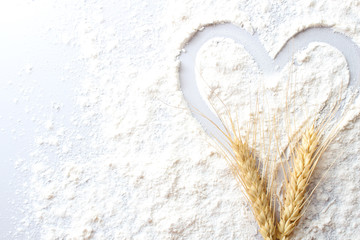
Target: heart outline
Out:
[268,65]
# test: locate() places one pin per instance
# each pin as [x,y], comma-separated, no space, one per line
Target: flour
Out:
[133,163]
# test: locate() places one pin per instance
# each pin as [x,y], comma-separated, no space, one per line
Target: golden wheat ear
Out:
[305,157]
[246,170]
[250,173]
[295,188]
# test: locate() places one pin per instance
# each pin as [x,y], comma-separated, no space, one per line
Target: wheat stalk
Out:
[295,189]
[246,171]
[245,168]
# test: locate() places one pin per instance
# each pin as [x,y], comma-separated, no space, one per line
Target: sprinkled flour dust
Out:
[132,162]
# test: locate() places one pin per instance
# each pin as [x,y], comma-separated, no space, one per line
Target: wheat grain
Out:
[295,189]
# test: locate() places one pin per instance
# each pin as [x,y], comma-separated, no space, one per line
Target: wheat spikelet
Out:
[241,158]
[294,200]
[246,171]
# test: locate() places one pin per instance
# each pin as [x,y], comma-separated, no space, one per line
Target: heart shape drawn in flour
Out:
[267,65]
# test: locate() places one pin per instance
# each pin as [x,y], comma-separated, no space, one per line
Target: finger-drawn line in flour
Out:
[268,65]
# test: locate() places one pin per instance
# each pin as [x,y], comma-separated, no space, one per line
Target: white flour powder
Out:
[134,164]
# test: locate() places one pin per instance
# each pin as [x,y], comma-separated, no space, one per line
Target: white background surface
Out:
[39,70]
[32,86]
